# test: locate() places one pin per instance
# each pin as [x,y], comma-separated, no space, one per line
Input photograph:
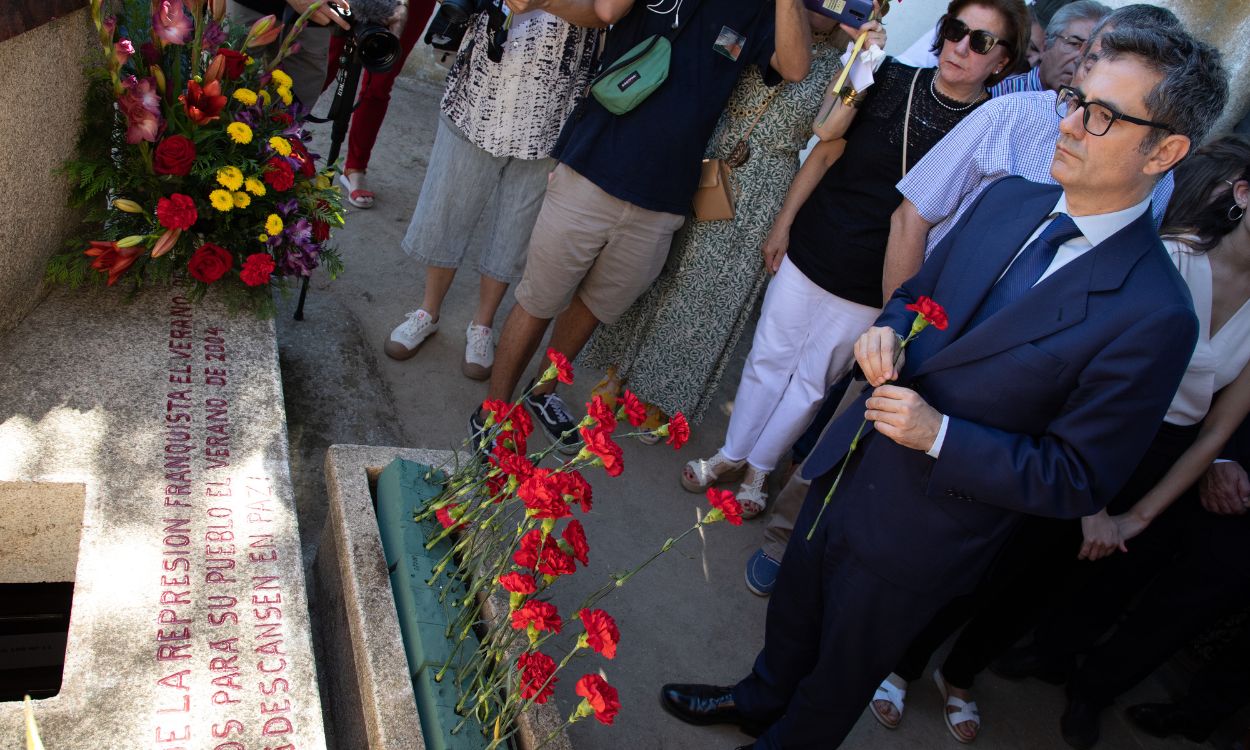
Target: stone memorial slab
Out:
[189,625]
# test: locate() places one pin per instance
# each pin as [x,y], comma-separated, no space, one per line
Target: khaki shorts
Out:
[586,242]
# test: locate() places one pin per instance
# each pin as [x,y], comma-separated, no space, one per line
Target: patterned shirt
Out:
[1010,135]
[1030,81]
[516,107]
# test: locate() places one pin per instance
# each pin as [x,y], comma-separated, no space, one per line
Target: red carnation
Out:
[282,118]
[542,495]
[518,583]
[600,697]
[526,555]
[600,444]
[602,414]
[176,212]
[933,313]
[601,632]
[554,561]
[512,463]
[203,103]
[577,490]
[278,174]
[678,431]
[445,517]
[538,615]
[257,269]
[210,262]
[575,535]
[174,155]
[727,504]
[537,680]
[235,62]
[633,407]
[564,370]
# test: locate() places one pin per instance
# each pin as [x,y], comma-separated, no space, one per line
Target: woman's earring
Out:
[1235,212]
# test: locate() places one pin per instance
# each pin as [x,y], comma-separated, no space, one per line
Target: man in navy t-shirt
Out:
[625,182]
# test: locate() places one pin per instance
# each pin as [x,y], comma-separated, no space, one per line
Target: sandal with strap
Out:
[890,693]
[656,418]
[965,711]
[751,495]
[358,197]
[702,473]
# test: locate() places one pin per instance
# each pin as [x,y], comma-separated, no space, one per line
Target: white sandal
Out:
[709,471]
[964,711]
[357,195]
[751,495]
[892,694]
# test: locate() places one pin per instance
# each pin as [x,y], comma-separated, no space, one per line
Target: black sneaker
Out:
[551,412]
[477,432]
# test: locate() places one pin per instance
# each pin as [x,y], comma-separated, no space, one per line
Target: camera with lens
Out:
[369,42]
[448,27]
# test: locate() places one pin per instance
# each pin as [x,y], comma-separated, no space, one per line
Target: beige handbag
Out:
[714,200]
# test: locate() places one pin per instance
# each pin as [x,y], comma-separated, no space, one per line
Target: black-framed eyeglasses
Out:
[981,42]
[1097,117]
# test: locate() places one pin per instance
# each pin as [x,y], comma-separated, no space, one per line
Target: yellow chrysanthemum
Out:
[242,200]
[247,96]
[282,78]
[239,132]
[254,186]
[222,200]
[264,96]
[262,237]
[231,178]
[281,145]
[273,224]
[284,93]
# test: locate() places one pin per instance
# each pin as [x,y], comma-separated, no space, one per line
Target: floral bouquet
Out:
[515,535]
[192,163]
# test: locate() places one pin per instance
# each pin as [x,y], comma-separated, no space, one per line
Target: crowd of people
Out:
[1042,171]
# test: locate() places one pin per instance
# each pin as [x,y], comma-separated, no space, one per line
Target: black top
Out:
[839,235]
[650,156]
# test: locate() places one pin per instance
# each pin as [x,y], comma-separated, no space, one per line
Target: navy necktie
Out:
[1028,267]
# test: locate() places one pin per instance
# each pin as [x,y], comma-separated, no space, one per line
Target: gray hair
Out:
[1194,88]
[1138,16]
[1081,10]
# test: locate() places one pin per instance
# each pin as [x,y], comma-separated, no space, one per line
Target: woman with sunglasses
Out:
[827,245]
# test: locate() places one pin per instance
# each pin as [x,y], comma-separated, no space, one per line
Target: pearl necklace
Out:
[936,98]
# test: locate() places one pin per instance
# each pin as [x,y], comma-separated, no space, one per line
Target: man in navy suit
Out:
[1069,332]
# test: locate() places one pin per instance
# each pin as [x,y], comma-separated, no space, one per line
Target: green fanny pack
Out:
[631,79]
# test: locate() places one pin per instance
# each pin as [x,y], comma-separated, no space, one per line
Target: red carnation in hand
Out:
[600,444]
[257,269]
[678,431]
[541,492]
[600,698]
[209,263]
[563,370]
[577,490]
[518,583]
[602,414]
[575,535]
[933,313]
[727,505]
[633,407]
[203,103]
[537,681]
[278,174]
[601,632]
[538,615]
[176,212]
[174,155]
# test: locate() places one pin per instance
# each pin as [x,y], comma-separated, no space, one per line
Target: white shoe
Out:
[479,352]
[408,336]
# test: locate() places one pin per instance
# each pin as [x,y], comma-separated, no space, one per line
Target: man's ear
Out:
[1167,153]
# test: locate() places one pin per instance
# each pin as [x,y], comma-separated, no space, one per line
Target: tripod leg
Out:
[303,293]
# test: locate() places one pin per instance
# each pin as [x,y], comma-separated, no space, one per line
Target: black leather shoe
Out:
[1027,661]
[704,705]
[1166,719]
[1079,724]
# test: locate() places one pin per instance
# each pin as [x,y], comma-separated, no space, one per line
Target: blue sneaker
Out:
[761,573]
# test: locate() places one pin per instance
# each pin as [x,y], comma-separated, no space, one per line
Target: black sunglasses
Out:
[1097,117]
[953,30]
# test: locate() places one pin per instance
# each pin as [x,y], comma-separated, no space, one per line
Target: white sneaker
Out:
[479,352]
[407,336]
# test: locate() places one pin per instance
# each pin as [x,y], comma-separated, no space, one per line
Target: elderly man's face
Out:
[1059,61]
[1037,43]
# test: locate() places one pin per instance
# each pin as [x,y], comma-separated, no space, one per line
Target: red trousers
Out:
[375,88]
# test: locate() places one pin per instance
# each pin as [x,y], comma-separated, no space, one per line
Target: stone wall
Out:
[42,82]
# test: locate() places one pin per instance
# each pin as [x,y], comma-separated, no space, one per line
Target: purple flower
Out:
[123,50]
[286,207]
[142,106]
[214,36]
[170,21]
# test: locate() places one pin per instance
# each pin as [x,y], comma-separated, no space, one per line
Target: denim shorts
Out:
[472,199]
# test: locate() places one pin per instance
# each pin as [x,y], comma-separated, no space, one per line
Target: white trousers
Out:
[804,341]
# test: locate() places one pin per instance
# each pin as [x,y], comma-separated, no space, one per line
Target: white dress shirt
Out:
[1094,230]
